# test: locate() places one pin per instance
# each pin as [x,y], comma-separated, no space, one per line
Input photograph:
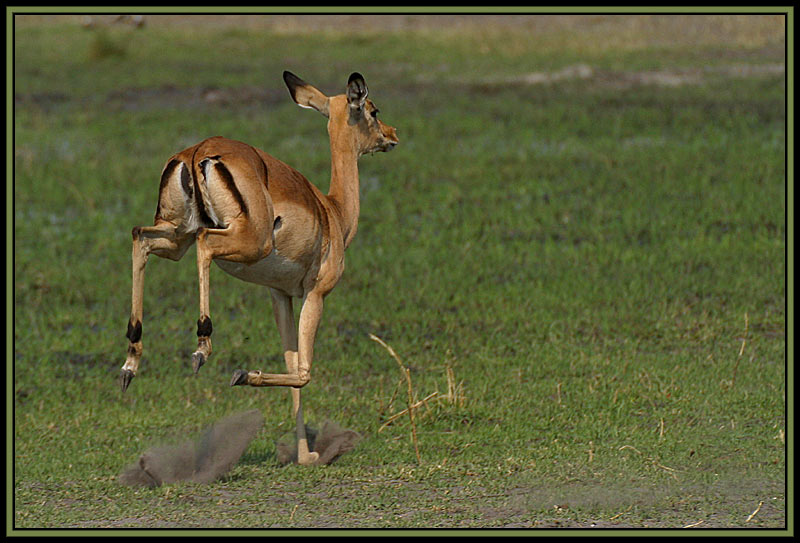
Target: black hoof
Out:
[125,378]
[239,378]
[198,359]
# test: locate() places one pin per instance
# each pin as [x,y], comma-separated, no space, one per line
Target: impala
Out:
[263,222]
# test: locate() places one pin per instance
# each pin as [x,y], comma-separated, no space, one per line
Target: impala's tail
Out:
[227,200]
[181,198]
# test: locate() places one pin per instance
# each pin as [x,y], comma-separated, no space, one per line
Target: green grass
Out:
[584,256]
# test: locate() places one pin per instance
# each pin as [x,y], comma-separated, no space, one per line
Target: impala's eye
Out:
[374,113]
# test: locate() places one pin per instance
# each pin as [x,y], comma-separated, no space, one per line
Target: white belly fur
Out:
[273,271]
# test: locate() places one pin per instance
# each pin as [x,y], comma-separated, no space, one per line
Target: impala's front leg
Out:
[310,317]
[299,355]
[284,317]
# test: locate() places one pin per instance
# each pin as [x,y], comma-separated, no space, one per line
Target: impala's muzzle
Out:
[389,137]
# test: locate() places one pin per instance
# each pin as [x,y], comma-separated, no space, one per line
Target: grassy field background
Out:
[580,244]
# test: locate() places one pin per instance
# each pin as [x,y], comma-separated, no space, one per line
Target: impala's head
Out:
[352,119]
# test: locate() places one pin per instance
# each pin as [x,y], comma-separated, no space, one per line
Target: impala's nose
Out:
[389,134]
[391,138]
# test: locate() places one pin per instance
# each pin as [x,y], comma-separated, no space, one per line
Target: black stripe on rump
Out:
[165,177]
[186,182]
[266,174]
[201,206]
[227,179]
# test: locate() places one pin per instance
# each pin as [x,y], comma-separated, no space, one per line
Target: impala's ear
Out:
[357,91]
[306,95]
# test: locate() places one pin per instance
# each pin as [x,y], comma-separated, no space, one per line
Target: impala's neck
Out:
[344,188]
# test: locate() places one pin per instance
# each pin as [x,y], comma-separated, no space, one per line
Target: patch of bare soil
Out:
[727,504]
[660,78]
[675,506]
[169,96]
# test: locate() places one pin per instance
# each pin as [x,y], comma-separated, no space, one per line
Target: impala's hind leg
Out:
[244,234]
[241,241]
[163,240]
[169,237]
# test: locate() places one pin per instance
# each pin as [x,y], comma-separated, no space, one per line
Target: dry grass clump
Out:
[454,396]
